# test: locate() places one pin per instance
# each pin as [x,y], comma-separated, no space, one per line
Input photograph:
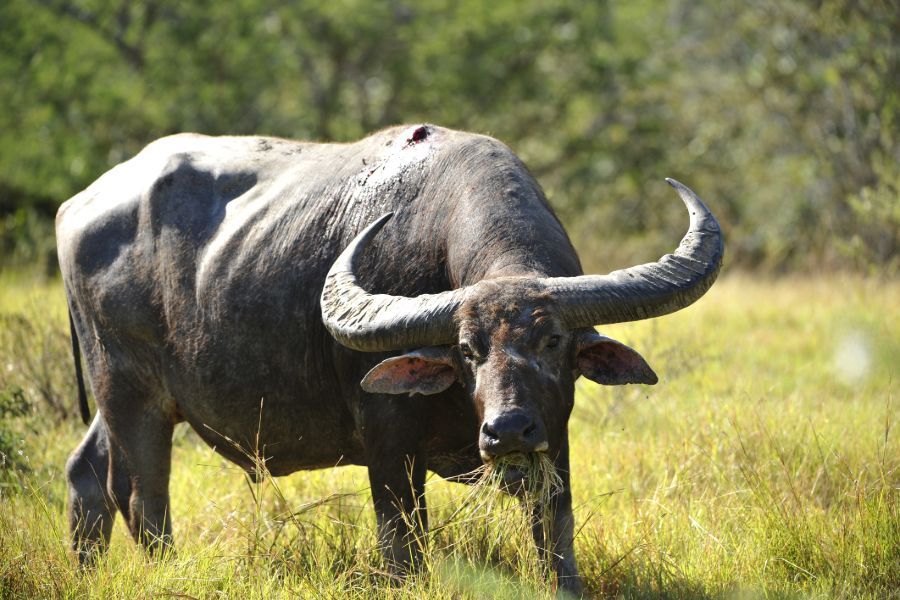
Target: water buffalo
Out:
[233,283]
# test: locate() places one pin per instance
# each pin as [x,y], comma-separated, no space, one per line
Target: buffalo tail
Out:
[79,376]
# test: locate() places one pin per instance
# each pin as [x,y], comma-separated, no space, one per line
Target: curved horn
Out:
[380,322]
[651,289]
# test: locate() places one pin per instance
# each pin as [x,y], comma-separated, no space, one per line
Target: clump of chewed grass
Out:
[532,476]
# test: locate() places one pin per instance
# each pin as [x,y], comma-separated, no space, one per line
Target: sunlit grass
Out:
[765,461]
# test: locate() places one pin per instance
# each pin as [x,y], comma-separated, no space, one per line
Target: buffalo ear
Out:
[609,362]
[425,371]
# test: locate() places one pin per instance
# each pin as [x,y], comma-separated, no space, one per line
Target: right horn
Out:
[652,289]
[381,322]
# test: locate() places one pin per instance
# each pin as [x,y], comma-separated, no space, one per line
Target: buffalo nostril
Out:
[489,432]
[513,431]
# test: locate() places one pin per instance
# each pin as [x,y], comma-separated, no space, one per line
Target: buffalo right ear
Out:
[609,362]
[425,371]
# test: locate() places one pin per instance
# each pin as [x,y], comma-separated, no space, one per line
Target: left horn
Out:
[380,322]
[649,290]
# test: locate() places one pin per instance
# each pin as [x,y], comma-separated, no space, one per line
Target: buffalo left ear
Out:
[609,362]
[425,371]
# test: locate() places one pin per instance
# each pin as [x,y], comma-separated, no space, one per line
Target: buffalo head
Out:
[517,344]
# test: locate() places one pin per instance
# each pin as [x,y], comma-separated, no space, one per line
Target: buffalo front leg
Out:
[558,551]
[398,496]
[91,510]
[397,477]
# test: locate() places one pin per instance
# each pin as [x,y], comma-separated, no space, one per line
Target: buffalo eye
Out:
[468,352]
[553,341]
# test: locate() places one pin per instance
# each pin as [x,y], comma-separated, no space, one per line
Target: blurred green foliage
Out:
[784,114]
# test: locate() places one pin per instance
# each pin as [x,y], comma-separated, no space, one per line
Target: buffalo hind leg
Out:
[91,510]
[139,476]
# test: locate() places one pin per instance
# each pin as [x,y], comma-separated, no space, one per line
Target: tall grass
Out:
[765,463]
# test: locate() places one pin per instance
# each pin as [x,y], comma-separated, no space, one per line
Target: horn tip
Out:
[372,229]
[378,223]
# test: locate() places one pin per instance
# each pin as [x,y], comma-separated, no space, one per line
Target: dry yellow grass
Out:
[765,463]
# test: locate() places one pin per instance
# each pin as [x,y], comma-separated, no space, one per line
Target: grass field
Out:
[766,463]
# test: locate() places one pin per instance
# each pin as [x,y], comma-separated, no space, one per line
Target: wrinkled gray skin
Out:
[193,273]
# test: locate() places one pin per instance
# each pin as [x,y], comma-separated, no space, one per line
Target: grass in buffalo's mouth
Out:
[532,476]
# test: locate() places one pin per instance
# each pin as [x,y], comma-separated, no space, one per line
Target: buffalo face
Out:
[518,364]
[517,344]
